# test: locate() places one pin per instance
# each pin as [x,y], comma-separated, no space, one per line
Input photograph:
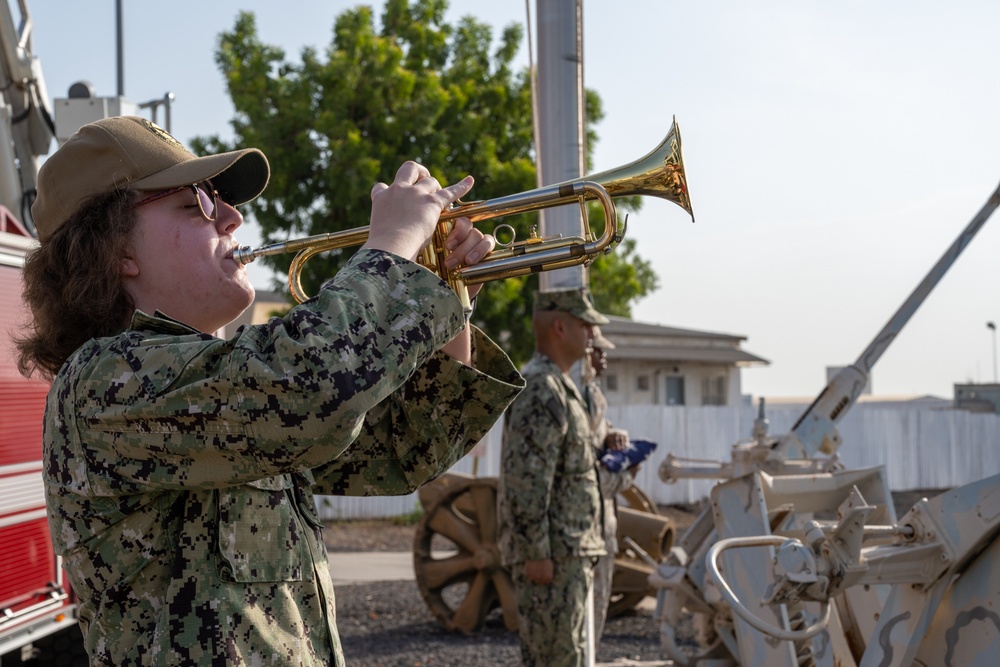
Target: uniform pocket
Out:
[261,536]
[579,457]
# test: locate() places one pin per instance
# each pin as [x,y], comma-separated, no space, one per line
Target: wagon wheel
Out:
[637,499]
[456,559]
[629,583]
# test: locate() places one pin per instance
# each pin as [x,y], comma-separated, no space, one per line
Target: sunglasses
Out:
[204,193]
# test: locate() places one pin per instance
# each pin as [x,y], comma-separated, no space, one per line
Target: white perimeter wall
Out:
[919,448]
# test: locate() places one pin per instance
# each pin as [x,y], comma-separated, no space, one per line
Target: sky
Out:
[834,151]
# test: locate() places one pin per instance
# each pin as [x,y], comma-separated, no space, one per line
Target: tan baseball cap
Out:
[600,342]
[128,151]
[576,302]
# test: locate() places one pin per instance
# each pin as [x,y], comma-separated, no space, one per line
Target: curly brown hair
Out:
[74,286]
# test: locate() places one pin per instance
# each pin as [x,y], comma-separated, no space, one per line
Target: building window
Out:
[675,390]
[713,391]
[611,382]
[642,383]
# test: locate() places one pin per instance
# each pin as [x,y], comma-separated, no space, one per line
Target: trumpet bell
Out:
[659,173]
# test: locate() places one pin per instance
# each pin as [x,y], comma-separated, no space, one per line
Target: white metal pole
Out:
[561,120]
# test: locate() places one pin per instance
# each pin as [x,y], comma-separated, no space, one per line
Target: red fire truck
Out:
[38,622]
[37,610]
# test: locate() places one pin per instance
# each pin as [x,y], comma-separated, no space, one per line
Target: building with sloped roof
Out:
[662,365]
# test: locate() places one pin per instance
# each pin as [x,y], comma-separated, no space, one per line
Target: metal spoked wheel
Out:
[635,498]
[456,560]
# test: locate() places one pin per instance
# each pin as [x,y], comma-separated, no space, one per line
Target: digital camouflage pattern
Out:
[180,467]
[549,502]
[547,639]
[612,483]
[549,506]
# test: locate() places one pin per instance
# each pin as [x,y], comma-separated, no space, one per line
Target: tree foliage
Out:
[411,87]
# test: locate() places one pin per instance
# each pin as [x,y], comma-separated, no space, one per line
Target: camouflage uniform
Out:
[554,639]
[549,506]
[612,483]
[180,467]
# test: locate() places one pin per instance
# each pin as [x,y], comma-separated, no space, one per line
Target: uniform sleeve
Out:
[423,429]
[152,410]
[536,427]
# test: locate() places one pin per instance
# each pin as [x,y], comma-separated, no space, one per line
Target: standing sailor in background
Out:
[605,438]
[549,500]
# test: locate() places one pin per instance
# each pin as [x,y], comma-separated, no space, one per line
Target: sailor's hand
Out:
[466,246]
[406,212]
[539,571]
[616,440]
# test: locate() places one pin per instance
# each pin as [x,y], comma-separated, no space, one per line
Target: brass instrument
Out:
[658,174]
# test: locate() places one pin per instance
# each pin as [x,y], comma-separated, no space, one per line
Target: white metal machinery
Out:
[797,561]
[26,126]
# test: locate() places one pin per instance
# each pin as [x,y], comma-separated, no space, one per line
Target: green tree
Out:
[417,88]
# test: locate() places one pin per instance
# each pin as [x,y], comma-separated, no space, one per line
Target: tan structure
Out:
[978,397]
[662,365]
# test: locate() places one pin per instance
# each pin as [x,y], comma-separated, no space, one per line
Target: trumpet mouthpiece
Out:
[243,255]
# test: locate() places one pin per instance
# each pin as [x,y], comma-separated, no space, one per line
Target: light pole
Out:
[992,327]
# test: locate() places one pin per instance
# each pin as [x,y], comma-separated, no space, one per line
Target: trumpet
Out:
[660,173]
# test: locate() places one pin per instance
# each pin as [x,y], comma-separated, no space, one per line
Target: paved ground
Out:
[359,567]
[365,566]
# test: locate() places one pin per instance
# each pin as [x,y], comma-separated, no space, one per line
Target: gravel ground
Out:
[387,624]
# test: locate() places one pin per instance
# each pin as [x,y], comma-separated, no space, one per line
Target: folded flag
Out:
[636,452]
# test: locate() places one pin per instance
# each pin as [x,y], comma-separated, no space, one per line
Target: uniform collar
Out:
[567,381]
[160,323]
